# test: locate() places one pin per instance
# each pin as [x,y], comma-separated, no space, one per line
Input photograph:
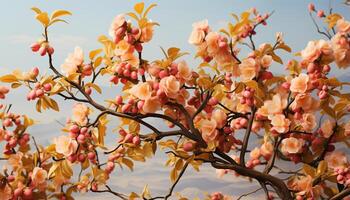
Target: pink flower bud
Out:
[83,130]
[141,71]
[135,31]
[128,138]
[126,107]
[320,13]
[39,93]
[326,68]
[91,155]
[72,158]
[136,140]
[28,194]
[18,192]
[119,99]
[134,75]
[35,47]
[35,71]
[140,104]
[42,50]
[213,101]
[81,138]
[88,90]
[81,157]
[7,122]
[10,178]
[311,7]
[188,146]
[322,94]
[122,132]
[163,74]
[138,47]
[114,79]
[74,129]
[47,87]
[50,50]
[126,73]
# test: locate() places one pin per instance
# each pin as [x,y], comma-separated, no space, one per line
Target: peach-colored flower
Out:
[198,33]
[73,61]
[279,123]
[130,58]
[299,84]
[255,153]
[142,90]
[208,129]
[315,49]
[15,160]
[343,26]
[266,61]
[327,128]
[39,176]
[303,184]
[212,40]
[184,72]
[341,49]
[5,192]
[306,102]
[292,145]
[274,106]
[266,149]
[65,145]
[151,105]
[336,159]
[248,69]
[220,117]
[147,33]
[308,121]
[123,47]
[153,69]
[170,85]
[80,113]
[118,21]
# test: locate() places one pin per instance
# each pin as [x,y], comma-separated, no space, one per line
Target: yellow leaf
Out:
[58,13]
[133,16]
[93,53]
[15,85]
[57,20]
[133,196]
[146,194]
[54,105]
[173,175]
[8,78]
[97,62]
[173,51]
[128,163]
[96,87]
[36,10]
[139,7]
[43,18]
[309,170]
[322,167]
[148,9]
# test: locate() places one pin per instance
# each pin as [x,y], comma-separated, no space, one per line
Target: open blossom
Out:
[292,145]
[80,113]
[343,26]
[306,102]
[266,61]
[303,184]
[147,33]
[142,90]
[220,117]
[299,84]
[39,176]
[198,33]
[65,145]
[279,123]
[308,121]
[315,49]
[341,49]
[266,149]
[73,61]
[208,129]
[248,69]
[116,25]
[336,159]
[183,71]
[327,128]
[151,105]
[274,106]
[170,85]
[255,153]
[122,48]
[213,40]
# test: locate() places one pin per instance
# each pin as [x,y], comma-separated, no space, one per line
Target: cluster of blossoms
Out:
[240,120]
[42,47]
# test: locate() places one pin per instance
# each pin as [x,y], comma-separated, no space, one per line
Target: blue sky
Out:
[92,18]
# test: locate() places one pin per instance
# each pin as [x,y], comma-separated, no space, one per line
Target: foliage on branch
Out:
[231,112]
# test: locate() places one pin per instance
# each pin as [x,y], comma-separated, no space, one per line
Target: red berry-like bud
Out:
[47,87]
[35,47]
[320,13]
[42,50]
[188,146]
[50,50]
[35,71]
[136,140]
[311,7]
[91,155]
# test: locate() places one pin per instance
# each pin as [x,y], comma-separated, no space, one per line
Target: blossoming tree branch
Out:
[231,113]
